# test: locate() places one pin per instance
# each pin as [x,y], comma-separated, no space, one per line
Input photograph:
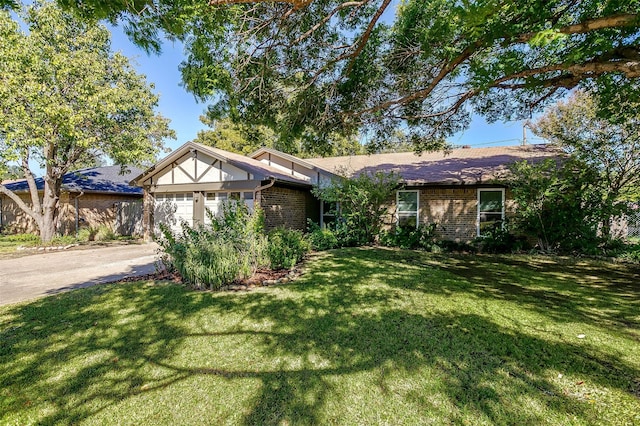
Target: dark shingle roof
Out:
[108,180]
[458,167]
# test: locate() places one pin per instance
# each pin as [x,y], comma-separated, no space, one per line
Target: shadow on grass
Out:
[331,330]
[564,290]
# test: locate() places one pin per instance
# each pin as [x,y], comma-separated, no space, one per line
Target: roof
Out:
[258,169]
[106,180]
[462,166]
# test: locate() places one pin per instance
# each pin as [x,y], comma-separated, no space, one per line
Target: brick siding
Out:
[453,210]
[94,210]
[285,207]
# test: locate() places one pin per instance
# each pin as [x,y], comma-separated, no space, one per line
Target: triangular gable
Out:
[194,163]
[293,165]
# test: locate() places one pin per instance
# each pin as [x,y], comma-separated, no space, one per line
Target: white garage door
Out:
[173,209]
[215,200]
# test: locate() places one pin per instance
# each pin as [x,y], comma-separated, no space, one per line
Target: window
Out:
[490,209]
[408,208]
[248,196]
[329,212]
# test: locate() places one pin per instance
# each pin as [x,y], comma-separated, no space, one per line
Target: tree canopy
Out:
[609,147]
[247,138]
[312,67]
[65,100]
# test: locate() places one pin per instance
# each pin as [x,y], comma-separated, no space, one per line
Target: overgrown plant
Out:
[286,247]
[409,237]
[321,238]
[361,205]
[557,204]
[208,257]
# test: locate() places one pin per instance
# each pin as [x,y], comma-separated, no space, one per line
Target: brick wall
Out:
[454,210]
[285,207]
[94,210]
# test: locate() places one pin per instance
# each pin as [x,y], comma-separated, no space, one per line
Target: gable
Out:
[198,167]
[293,166]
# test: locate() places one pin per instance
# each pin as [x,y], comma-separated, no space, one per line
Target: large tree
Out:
[610,148]
[339,65]
[247,138]
[66,99]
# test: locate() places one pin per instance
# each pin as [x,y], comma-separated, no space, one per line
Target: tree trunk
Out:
[50,209]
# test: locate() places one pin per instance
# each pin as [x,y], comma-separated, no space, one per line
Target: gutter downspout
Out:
[75,200]
[263,187]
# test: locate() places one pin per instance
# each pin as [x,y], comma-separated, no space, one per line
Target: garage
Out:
[173,209]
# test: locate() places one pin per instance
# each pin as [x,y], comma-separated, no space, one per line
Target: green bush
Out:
[62,240]
[321,239]
[286,247]
[208,257]
[361,203]
[406,237]
[104,233]
[498,239]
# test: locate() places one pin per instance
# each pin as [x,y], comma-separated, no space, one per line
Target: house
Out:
[89,197]
[456,189]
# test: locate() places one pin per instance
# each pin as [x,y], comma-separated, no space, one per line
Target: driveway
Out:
[38,275]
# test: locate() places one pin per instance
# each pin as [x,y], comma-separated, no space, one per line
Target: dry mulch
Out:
[262,277]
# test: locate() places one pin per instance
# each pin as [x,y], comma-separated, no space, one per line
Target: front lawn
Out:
[366,336]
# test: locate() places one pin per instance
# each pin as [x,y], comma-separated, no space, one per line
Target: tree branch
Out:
[365,36]
[297,4]
[615,21]
[21,204]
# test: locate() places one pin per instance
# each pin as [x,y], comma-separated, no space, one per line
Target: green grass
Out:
[366,336]
[9,243]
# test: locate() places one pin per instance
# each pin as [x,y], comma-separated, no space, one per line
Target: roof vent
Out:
[466,146]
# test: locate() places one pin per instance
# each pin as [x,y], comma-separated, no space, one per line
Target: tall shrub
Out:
[233,247]
[361,204]
[557,203]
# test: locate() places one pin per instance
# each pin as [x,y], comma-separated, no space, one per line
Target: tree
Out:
[246,138]
[235,137]
[344,66]
[10,172]
[610,148]
[556,204]
[65,100]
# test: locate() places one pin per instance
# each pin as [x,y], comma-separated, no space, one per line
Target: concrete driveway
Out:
[37,275]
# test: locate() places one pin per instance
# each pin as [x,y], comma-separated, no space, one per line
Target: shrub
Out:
[286,247]
[232,248]
[104,233]
[321,239]
[406,237]
[498,239]
[361,204]
[21,238]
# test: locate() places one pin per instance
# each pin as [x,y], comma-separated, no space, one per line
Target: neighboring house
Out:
[90,197]
[456,190]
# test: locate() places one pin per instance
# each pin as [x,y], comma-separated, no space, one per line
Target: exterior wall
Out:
[287,207]
[453,209]
[94,210]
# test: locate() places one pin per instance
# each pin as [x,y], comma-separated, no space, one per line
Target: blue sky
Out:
[183,110]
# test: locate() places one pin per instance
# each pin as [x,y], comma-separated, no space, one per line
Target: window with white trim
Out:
[329,212]
[408,205]
[490,209]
